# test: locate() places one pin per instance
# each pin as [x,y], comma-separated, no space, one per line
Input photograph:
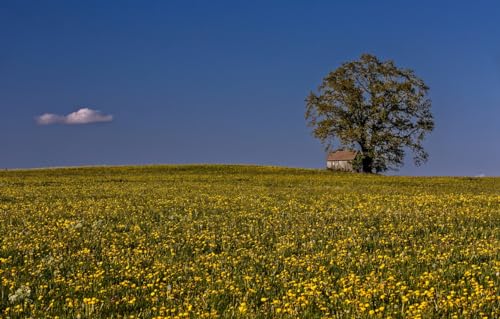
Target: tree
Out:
[374,107]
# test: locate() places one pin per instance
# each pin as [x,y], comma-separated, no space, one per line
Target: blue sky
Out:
[225,81]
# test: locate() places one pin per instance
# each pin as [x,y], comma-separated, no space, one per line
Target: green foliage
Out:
[374,107]
[357,163]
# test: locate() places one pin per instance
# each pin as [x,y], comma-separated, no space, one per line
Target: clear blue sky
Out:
[225,81]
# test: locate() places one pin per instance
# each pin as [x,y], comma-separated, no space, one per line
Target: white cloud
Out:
[47,119]
[85,116]
[82,116]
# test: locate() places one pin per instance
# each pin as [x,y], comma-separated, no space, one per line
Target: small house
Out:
[341,160]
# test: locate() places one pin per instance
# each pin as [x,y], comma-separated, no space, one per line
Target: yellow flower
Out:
[242,307]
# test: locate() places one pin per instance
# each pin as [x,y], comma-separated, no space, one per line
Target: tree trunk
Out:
[367,161]
[367,164]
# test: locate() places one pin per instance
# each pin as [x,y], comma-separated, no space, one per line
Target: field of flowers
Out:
[246,242]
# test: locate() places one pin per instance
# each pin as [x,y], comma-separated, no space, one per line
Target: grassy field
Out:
[242,241]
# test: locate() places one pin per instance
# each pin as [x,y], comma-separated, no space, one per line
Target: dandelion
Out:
[256,242]
[242,307]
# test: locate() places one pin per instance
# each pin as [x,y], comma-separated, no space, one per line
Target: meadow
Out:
[216,241]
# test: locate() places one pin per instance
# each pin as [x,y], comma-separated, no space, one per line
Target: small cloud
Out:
[86,116]
[82,116]
[480,175]
[48,118]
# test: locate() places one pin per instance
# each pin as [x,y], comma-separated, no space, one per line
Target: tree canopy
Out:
[374,107]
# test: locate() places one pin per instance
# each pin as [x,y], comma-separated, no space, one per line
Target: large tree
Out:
[374,107]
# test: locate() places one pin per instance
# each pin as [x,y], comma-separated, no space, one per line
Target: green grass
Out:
[246,241]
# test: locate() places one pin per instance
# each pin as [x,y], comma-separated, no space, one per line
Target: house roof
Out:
[342,156]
